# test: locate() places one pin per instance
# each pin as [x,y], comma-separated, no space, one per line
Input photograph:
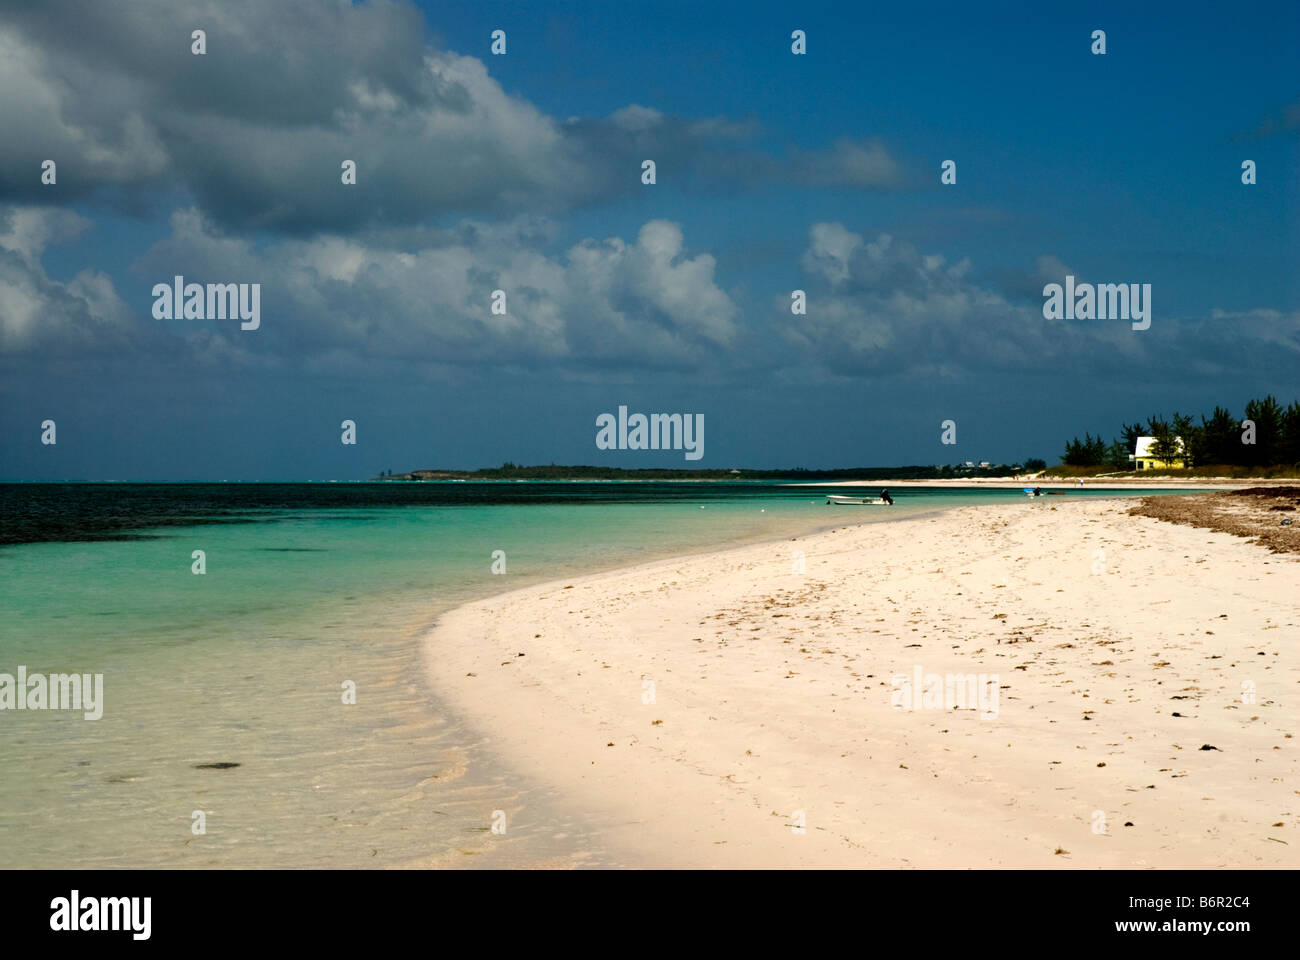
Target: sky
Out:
[523,172]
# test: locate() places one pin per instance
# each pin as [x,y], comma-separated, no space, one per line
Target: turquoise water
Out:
[307,587]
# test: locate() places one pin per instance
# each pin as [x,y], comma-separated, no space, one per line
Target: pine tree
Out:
[1267,414]
[1117,455]
[1220,439]
[1164,445]
[1183,428]
[1289,447]
[1130,432]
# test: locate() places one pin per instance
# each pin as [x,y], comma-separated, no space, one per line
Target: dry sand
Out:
[1266,515]
[1124,647]
[1129,481]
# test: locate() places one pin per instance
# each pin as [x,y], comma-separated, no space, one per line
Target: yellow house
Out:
[1144,461]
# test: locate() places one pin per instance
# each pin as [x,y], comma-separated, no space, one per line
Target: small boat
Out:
[855,501]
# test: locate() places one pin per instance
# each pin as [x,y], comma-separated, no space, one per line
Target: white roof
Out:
[1144,446]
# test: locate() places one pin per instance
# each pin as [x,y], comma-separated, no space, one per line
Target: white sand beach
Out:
[1129,482]
[1148,694]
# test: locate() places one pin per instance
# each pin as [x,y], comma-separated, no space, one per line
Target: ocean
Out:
[226,739]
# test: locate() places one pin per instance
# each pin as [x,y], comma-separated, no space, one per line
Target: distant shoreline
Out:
[1191,484]
[837,477]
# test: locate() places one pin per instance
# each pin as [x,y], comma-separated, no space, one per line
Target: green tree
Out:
[1088,452]
[1185,429]
[1267,414]
[1117,455]
[1130,432]
[1290,442]
[1220,439]
[1164,442]
[1164,439]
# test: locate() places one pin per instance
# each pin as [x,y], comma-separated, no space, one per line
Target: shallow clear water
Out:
[307,586]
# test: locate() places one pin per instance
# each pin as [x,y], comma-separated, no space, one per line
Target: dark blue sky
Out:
[522,172]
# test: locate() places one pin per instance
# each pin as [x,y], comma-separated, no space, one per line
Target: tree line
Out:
[1266,436]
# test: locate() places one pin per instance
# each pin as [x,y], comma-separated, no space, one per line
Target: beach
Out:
[762,706]
[1091,484]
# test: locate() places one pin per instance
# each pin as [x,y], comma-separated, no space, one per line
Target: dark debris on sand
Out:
[1255,513]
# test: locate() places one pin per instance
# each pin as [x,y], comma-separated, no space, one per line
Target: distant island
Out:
[1265,444]
[511,471]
